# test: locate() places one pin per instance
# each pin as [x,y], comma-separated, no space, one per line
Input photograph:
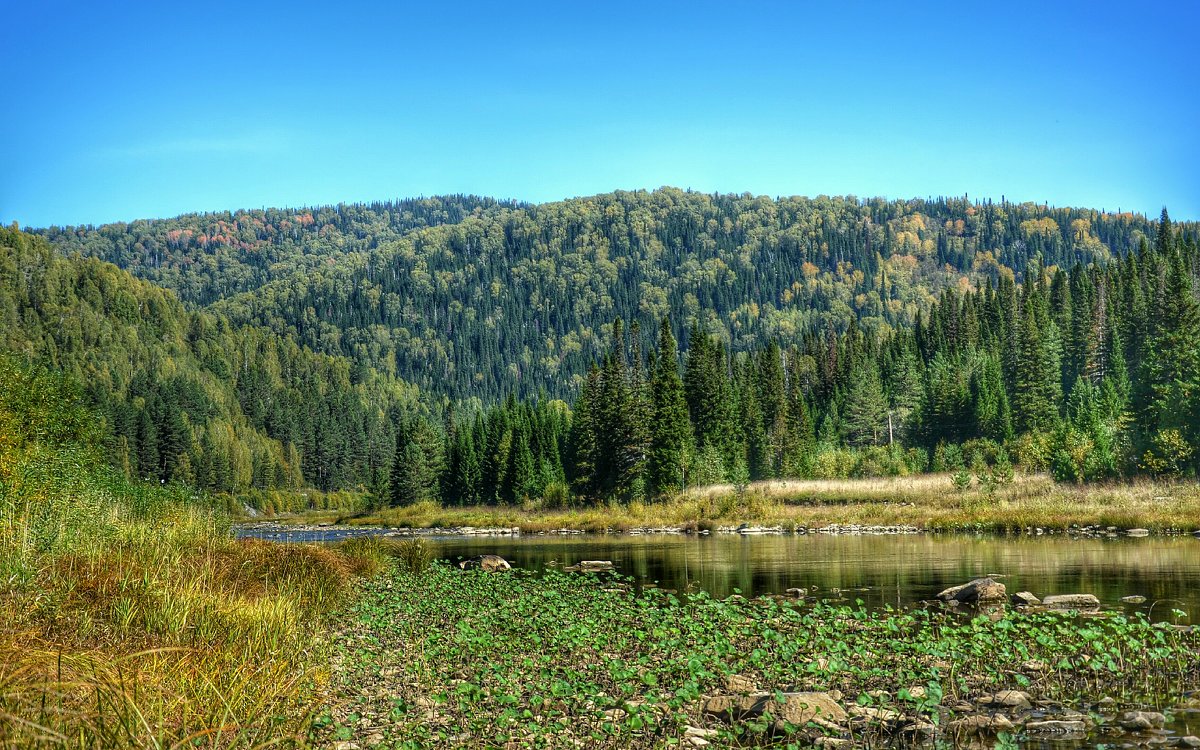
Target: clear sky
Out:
[132,110]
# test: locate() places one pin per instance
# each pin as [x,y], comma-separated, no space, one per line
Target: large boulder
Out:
[979,591]
[486,563]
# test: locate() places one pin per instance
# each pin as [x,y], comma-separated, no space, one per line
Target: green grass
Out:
[466,659]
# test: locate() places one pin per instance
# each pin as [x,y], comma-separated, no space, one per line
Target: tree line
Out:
[1092,372]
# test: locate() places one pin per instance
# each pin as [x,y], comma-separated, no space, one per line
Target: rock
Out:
[486,563]
[696,741]
[797,593]
[980,723]
[1056,727]
[797,709]
[591,566]
[1136,599]
[872,714]
[699,732]
[1107,702]
[916,692]
[736,683]
[1071,601]
[1189,741]
[1033,665]
[1138,532]
[1011,698]
[1025,599]
[1138,721]
[977,591]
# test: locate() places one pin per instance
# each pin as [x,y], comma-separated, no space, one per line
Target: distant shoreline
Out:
[1031,505]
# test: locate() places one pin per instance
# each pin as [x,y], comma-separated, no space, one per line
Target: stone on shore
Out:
[797,708]
[1139,721]
[980,723]
[981,590]
[1025,599]
[1056,726]
[486,563]
[1071,601]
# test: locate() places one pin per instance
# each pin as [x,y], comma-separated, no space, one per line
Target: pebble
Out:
[1136,599]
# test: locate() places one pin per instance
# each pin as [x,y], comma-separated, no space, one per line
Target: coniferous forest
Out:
[625,346]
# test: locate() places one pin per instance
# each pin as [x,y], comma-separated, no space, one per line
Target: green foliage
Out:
[185,396]
[553,659]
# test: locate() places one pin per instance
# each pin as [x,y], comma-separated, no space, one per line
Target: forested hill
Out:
[473,298]
[205,257]
[185,395]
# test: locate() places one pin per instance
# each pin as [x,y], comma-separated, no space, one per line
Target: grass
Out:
[129,617]
[466,659]
[155,633]
[928,501]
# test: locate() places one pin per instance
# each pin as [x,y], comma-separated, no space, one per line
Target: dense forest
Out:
[465,297]
[624,346]
[186,396]
[1091,373]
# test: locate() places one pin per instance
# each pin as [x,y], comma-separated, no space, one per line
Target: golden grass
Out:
[929,501]
[166,632]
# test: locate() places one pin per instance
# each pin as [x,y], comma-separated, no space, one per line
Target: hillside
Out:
[188,396]
[474,298]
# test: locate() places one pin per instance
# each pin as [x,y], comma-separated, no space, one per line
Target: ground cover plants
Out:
[452,658]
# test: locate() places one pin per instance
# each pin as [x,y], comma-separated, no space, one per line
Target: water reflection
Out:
[895,570]
[880,570]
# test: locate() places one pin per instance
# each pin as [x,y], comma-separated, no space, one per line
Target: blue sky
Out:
[120,111]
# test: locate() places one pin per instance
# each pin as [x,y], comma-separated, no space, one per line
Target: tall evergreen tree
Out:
[670,429]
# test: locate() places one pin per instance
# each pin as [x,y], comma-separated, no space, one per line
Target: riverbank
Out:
[1029,504]
[447,658]
[145,624]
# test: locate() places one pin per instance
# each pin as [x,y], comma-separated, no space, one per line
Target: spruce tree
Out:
[865,413]
[670,429]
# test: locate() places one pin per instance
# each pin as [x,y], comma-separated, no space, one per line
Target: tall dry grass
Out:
[129,616]
[929,501]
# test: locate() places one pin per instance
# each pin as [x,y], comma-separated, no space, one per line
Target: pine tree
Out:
[864,417]
[1171,362]
[1037,385]
[670,430]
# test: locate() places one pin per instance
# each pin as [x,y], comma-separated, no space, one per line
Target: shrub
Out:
[962,480]
[1032,451]
[834,463]
[947,457]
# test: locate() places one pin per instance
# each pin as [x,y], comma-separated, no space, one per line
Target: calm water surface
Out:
[880,570]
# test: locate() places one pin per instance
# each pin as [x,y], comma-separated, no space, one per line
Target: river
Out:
[896,570]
